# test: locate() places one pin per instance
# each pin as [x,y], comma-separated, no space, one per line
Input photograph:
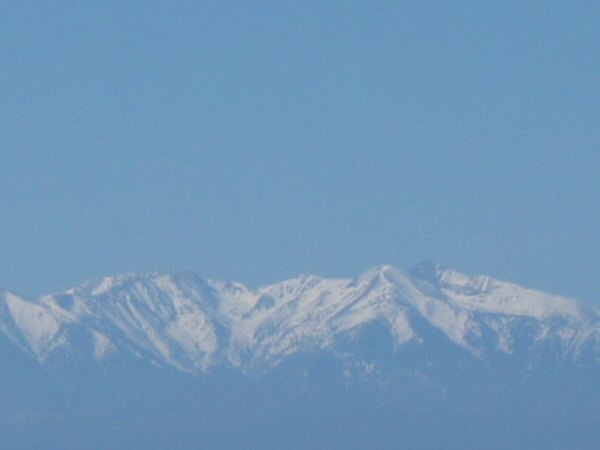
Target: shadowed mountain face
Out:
[426,359]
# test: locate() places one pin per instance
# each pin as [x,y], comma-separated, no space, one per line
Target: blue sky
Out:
[259,140]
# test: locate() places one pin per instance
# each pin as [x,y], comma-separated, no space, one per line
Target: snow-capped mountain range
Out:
[192,324]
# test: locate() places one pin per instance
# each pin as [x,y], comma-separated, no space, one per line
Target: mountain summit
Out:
[193,324]
[425,359]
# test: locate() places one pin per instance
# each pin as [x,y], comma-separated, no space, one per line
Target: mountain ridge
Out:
[191,324]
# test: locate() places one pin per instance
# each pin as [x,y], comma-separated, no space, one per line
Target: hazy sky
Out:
[259,140]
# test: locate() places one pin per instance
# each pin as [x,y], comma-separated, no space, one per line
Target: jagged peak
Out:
[443,277]
[102,285]
[106,284]
[300,282]
[381,271]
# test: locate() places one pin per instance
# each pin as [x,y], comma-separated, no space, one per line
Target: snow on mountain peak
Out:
[192,323]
